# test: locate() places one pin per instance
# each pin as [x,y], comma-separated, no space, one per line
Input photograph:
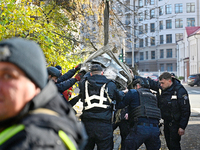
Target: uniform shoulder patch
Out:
[185,96]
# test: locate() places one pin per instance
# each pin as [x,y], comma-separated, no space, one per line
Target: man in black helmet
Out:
[53,73]
[32,112]
[97,94]
[65,81]
[143,117]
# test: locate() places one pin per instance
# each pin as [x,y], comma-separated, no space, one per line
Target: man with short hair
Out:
[174,104]
[97,94]
[32,112]
[143,115]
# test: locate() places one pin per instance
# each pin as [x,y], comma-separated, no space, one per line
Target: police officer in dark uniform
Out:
[97,94]
[175,108]
[121,121]
[32,112]
[65,81]
[144,117]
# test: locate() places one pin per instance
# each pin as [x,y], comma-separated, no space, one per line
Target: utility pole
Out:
[106,22]
[133,35]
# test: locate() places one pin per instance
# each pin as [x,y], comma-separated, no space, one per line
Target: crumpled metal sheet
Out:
[112,67]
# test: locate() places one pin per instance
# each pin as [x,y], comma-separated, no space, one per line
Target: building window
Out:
[146,41]
[135,41]
[141,16]
[128,35]
[127,8]
[179,36]
[169,38]
[153,55]
[146,28]
[146,14]
[140,29]
[190,7]
[128,21]
[152,27]
[161,53]
[141,56]
[152,41]
[128,43]
[168,9]
[178,23]
[141,42]
[161,11]
[190,22]
[128,29]
[152,13]
[135,20]
[152,2]
[178,8]
[168,24]
[161,39]
[169,67]
[135,32]
[162,67]
[161,25]
[146,2]
[140,3]
[147,57]
[169,53]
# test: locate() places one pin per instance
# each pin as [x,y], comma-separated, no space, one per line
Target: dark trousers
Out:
[171,135]
[149,135]
[124,128]
[99,133]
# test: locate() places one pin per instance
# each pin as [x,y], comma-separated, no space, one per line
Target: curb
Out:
[195,114]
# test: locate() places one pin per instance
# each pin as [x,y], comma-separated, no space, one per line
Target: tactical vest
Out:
[11,131]
[98,99]
[168,104]
[148,106]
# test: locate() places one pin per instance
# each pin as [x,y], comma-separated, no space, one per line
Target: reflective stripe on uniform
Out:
[101,98]
[160,91]
[10,132]
[66,140]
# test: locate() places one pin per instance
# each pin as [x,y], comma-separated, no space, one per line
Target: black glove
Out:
[80,75]
[78,67]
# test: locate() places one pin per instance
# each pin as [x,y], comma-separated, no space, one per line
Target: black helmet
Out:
[142,81]
[173,74]
[54,72]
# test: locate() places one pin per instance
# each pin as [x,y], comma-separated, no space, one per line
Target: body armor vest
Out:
[148,105]
[100,99]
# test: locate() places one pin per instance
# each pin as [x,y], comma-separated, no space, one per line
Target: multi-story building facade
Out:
[157,25]
[188,57]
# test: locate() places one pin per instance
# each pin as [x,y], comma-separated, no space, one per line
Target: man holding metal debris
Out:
[98,93]
[143,116]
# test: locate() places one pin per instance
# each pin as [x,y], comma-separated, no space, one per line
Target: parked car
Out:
[194,80]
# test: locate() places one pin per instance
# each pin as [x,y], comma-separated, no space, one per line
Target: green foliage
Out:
[181,78]
[46,24]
